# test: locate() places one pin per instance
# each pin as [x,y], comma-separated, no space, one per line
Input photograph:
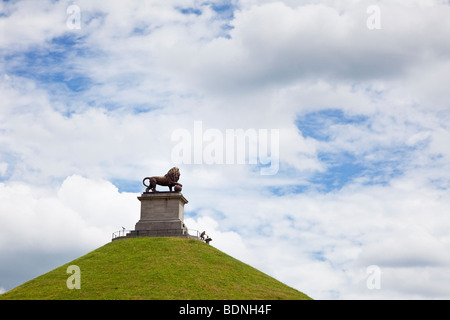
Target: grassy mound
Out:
[156,268]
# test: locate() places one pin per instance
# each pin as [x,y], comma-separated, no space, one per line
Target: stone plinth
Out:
[162,214]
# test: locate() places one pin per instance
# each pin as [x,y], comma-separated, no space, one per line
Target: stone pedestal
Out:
[162,214]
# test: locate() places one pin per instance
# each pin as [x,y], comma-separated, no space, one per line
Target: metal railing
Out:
[120,233]
[124,233]
[194,233]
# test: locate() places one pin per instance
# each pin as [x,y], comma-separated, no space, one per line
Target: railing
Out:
[124,233]
[120,233]
[194,233]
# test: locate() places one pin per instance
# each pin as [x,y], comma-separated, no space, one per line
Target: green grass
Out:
[157,268]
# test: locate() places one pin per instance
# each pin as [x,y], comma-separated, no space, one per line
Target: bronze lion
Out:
[169,180]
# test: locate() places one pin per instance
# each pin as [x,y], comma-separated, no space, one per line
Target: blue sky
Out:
[343,166]
[362,116]
[51,66]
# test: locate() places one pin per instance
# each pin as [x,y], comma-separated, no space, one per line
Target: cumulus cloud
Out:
[275,44]
[27,23]
[81,213]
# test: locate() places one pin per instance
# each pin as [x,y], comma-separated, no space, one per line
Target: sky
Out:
[346,103]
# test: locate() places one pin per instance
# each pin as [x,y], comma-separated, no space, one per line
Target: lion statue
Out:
[169,180]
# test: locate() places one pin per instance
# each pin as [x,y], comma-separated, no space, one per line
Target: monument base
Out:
[162,215]
[161,228]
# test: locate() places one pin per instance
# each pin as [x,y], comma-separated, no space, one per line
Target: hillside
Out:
[157,268]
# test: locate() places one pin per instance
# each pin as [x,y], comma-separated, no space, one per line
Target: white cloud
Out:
[275,44]
[82,214]
[27,23]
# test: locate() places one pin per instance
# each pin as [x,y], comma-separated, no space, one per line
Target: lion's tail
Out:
[143,181]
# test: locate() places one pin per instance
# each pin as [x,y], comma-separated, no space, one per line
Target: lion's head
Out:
[173,174]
